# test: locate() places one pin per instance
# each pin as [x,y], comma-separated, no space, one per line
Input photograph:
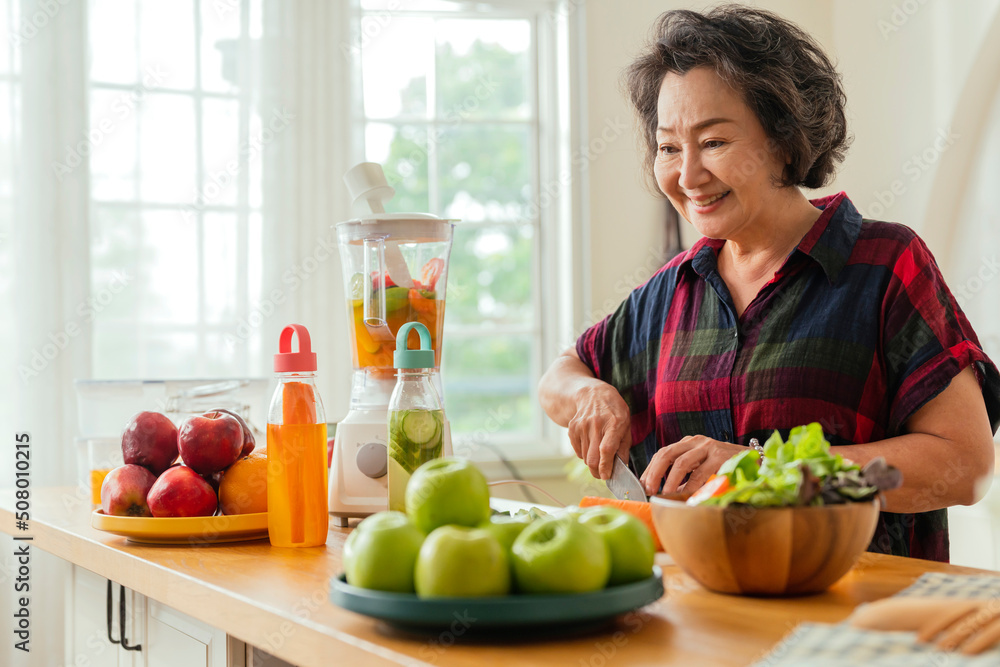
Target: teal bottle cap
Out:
[406,358]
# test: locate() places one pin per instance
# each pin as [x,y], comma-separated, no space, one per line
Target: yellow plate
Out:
[192,531]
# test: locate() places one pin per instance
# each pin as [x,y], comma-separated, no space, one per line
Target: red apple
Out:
[181,491]
[150,440]
[248,439]
[124,491]
[210,443]
[213,480]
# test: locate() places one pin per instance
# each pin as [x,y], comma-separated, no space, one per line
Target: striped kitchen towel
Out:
[840,645]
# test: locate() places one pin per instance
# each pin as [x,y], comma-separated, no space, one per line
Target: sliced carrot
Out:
[298,403]
[716,485]
[636,508]
[298,407]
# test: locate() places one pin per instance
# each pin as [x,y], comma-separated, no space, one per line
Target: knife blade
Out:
[624,484]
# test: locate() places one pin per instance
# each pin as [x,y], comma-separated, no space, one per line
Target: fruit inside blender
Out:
[417,304]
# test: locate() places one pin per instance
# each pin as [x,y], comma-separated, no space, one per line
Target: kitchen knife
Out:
[624,484]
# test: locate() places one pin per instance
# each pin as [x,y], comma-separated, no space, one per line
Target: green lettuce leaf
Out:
[798,471]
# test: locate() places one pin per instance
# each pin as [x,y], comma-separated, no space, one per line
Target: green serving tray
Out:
[509,611]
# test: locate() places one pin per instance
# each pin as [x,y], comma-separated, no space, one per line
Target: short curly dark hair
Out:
[782,73]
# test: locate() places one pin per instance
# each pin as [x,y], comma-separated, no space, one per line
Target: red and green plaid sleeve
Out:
[927,338]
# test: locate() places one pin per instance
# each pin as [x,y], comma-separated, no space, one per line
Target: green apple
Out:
[560,555]
[447,491]
[506,528]
[629,543]
[382,552]
[573,511]
[456,561]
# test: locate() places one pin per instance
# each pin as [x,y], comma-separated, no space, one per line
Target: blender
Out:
[395,268]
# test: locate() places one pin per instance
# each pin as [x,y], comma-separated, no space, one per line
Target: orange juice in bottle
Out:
[96,480]
[297,513]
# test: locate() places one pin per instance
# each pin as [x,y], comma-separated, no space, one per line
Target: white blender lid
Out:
[366,182]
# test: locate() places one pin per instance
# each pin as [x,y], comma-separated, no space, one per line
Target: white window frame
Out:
[243,364]
[559,227]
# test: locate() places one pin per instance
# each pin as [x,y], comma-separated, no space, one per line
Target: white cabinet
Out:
[174,639]
[168,638]
[89,643]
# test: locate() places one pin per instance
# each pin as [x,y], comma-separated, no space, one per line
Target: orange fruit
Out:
[243,488]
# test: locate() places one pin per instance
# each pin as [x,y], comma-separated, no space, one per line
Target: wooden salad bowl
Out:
[767,551]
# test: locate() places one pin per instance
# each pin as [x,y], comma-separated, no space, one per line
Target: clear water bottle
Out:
[416,419]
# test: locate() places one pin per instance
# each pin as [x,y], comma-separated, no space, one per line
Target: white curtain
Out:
[307,73]
[49,241]
[304,95]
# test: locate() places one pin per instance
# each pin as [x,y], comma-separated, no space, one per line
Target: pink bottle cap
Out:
[287,361]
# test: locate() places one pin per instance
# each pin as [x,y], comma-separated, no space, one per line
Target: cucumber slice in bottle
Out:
[399,476]
[433,443]
[419,426]
[404,461]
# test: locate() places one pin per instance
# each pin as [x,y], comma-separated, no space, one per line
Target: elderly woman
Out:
[787,311]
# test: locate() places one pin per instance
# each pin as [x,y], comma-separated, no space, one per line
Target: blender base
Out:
[352,492]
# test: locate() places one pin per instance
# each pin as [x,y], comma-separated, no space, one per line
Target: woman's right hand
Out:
[596,415]
[601,427]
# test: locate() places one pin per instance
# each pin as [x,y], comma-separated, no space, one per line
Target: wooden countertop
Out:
[277,599]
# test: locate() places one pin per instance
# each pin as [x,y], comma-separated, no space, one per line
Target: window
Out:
[453,111]
[191,221]
[175,187]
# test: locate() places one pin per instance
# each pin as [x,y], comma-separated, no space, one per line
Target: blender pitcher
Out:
[395,269]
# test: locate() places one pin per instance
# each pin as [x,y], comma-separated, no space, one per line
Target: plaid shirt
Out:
[856,331]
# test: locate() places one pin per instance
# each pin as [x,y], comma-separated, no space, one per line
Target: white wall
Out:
[626,233]
[904,73]
[904,64]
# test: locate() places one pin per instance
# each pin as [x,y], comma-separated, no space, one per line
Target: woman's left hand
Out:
[695,454]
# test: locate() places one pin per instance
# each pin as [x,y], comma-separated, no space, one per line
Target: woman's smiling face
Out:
[714,161]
